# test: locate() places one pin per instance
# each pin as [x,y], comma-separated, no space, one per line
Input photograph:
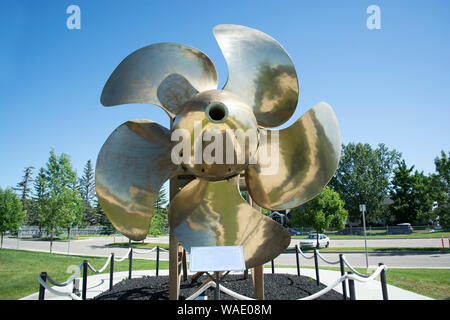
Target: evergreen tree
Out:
[161,202]
[411,195]
[38,203]
[24,186]
[160,222]
[86,187]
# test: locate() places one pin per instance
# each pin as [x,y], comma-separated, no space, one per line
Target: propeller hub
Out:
[215,136]
[216,112]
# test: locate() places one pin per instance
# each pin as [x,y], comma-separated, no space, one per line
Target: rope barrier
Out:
[303,255]
[103,268]
[311,297]
[124,257]
[353,269]
[323,258]
[46,286]
[63,284]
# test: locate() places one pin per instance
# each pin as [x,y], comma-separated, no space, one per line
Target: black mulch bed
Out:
[276,287]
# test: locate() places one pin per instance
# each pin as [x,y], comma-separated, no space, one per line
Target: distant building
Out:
[282,217]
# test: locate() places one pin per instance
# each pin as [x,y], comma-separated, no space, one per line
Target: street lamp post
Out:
[362,208]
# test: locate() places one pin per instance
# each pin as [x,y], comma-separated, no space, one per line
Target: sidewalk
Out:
[364,291]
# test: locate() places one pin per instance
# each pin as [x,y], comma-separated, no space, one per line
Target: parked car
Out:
[402,228]
[311,241]
[294,232]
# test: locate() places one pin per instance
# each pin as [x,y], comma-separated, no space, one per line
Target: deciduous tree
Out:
[324,212]
[363,177]
[11,214]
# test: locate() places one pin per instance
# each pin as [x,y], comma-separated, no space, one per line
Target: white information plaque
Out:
[220,258]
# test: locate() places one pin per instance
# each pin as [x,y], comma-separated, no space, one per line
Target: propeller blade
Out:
[207,213]
[301,163]
[260,71]
[132,165]
[165,74]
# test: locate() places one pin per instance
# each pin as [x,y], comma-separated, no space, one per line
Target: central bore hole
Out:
[217,111]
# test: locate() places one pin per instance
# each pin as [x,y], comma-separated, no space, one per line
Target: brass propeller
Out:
[213,213]
[307,156]
[132,165]
[164,74]
[261,92]
[260,71]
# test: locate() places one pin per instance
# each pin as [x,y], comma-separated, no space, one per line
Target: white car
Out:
[311,241]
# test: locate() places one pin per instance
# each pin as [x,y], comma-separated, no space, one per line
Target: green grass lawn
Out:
[19,269]
[148,245]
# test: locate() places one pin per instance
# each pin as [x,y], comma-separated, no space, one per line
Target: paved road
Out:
[383,243]
[97,247]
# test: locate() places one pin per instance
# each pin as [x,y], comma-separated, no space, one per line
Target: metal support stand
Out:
[297,258]
[341,264]
[383,283]
[111,272]
[85,270]
[316,263]
[41,287]
[157,261]
[351,287]
[217,281]
[130,260]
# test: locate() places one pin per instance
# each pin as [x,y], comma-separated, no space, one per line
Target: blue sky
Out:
[387,86]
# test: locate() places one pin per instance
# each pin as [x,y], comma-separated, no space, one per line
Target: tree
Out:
[411,195]
[38,203]
[363,177]
[11,214]
[324,212]
[60,195]
[24,186]
[86,187]
[159,220]
[441,188]
[161,201]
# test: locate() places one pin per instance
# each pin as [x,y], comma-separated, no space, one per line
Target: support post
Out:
[85,270]
[217,291]
[111,272]
[258,281]
[41,287]
[316,263]
[351,287]
[185,276]
[157,261]
[130,261]
[257,272]
[341,264]
[173,267]
[273,267]
[297,258]
[383,283]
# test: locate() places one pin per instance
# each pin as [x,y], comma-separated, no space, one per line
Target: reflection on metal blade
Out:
[132,165]
[207,213]
[165,74]
[308,156]
[259,71]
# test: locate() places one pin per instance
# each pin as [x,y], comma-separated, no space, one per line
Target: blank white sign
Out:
[217,258]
